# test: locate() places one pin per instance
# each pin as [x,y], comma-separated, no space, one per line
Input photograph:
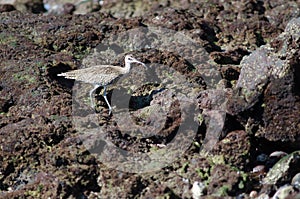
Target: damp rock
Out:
[282,172]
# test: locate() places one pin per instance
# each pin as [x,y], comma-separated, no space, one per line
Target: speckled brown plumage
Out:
[102,74]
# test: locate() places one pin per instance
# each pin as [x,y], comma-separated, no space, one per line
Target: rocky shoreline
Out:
[219,102]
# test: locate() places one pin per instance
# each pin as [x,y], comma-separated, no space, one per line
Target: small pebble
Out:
[185,180]
[197,190]
[259,169]
[253,194]
[262,158]
[278,154]
[241,196]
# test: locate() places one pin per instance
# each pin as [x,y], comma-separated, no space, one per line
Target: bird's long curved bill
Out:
[141,63]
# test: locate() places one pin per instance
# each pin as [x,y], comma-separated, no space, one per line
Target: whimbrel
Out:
[101,75]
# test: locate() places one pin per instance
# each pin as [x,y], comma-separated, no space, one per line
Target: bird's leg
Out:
[91,95]
[104,95]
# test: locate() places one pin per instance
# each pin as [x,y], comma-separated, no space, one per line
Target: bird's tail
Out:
[68,75]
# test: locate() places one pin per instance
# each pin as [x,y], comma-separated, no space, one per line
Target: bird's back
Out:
[102,74]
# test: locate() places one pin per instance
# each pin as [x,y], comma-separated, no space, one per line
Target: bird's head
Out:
[130,59]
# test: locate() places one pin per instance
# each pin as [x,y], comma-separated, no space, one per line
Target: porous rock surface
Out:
[255,100]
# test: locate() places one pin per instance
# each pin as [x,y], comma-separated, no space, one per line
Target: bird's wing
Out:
[102,74]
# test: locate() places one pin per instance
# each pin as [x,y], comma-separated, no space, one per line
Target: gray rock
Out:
[283,170]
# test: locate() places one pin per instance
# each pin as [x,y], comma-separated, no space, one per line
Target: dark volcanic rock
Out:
[224,180]
[235,148]
[270,77]
[230,57]
[6,8]
[41,152]
[35,122]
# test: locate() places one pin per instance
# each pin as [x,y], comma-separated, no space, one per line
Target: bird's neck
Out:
[126,69]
